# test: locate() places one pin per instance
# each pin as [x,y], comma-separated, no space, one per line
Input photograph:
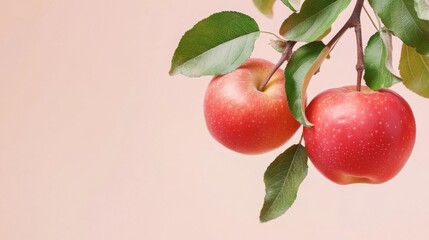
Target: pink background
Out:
[97,141]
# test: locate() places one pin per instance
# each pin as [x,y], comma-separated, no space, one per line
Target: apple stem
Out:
[285,57]
[360,61]
[353,22]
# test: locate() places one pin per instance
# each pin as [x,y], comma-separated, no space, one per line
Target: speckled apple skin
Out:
[359,137]
[244,119]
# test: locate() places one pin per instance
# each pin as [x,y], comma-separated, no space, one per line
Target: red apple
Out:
[245,119]
[359,137]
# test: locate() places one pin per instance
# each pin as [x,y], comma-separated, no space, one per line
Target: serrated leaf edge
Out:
[178,69]
[173,69]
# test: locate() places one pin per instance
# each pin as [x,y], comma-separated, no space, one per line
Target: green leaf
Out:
[378,61]
[414,70]
[265,6]
[215,45]
[303,64]
[401,17]
[314,19]
[282,180]
[294,5]
[422,9]
[324,34]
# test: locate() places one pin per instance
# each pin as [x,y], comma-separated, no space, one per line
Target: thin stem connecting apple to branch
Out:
[285,56]
[360,61]
[353,22]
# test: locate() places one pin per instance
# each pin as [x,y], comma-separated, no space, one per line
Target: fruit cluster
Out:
[352,134]
[361,136]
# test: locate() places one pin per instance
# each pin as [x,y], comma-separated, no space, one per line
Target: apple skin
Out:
[359,137]
[244,119]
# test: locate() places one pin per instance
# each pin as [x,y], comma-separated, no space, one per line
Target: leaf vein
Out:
[287,174]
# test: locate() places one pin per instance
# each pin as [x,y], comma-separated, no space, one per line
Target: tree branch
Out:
[353,22]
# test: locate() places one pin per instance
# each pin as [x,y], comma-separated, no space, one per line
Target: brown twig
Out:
[353,22]
[285,57]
